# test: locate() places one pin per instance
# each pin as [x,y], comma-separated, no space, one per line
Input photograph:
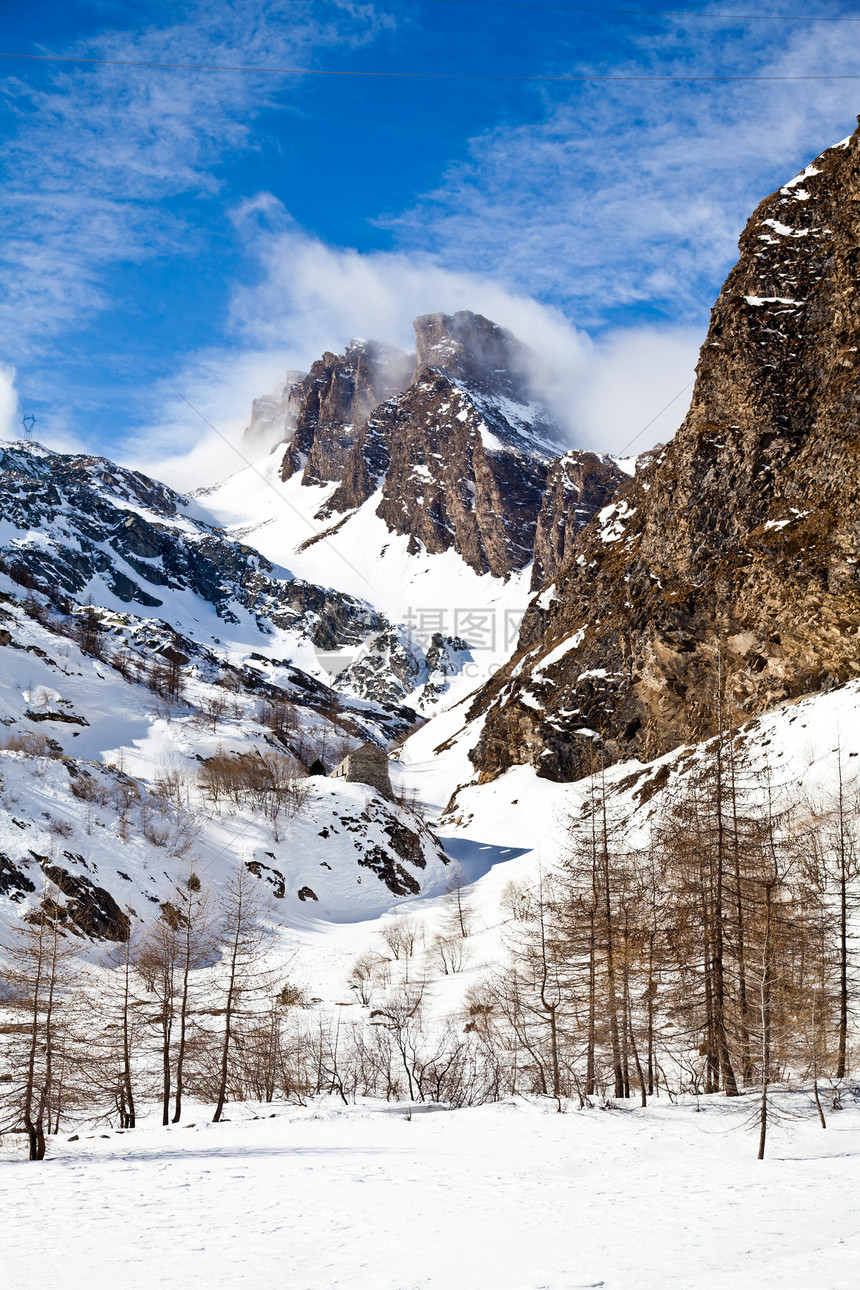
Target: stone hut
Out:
[366,765]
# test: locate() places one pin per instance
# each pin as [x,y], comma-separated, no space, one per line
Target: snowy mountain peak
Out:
[472,349]
[448,446]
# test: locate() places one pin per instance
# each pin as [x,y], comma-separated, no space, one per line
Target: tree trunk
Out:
[841,1056]
[128,1112]
[228,1014]
[612,998]
[183,1020]
[765,1007]
[639,1073]
[592,1003]
[727,1073]
[166,1028]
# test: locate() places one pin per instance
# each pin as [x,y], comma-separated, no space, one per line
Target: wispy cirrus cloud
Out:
[632,196]
[96,156]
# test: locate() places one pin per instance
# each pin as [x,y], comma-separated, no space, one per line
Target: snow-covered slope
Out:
[503,1197]
[425,594]
[88,531]
[105,788]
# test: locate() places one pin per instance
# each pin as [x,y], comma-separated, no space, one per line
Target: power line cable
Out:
[656,417]
[416,76]
[648,13]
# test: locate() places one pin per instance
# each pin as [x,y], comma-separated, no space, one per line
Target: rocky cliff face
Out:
[329,407]
[731,563]
[469,348]
[578,485]
[460,458]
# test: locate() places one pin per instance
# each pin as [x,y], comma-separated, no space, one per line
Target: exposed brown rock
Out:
[90,909]
[331,404]
[459,458]
[741,541]
[472,349]
[68,717]
[13,881]
[578,485]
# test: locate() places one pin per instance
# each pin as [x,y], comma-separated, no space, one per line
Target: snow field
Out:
[427,593]
[505,1197]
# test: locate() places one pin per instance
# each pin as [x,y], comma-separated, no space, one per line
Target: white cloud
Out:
[9,425]
[178,446]
[314,298]
[634,194]
[636,389]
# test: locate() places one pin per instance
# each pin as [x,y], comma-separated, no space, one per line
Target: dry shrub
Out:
[158,834]
[31,744]
[89,788]
[268,782]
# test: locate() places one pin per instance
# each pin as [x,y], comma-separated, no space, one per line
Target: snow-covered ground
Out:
[511,1196]
[357,554]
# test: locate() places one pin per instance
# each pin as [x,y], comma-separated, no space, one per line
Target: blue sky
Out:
[213,229]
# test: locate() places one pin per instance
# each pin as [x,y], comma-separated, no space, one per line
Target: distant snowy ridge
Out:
[92,531]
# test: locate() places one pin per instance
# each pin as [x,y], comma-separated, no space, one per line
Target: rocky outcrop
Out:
[330,406]
[578,485]
[88,910]
[469,348]
[445,658]
[14,883]
[460,458]
[386,669]
[389,840]
[452,441]
[731,564]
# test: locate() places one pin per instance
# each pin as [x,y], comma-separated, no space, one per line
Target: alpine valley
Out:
[411,556]
[554,650]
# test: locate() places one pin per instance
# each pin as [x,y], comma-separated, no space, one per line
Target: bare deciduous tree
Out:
[243,935]
[41,980]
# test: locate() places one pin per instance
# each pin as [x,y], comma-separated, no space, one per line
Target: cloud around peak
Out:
[310,297]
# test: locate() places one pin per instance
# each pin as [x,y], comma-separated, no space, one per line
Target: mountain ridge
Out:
[731,563]
[457,459]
